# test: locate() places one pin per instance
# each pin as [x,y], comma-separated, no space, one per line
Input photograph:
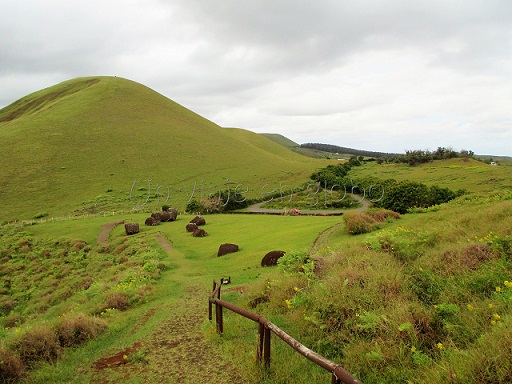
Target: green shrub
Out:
[40,215]
[196,207]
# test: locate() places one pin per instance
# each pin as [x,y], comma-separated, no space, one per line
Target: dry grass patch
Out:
[78,329]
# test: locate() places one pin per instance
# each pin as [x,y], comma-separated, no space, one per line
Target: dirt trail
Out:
[257,208]
[176,350]
[105,231]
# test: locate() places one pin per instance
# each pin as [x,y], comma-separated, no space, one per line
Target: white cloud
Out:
[386,76]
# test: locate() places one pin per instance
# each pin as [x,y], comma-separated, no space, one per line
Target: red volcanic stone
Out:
[152,221]
[224,249]
[191,227]
[270,259]
[173,213]
[198,220]
[131,228]
[199,232]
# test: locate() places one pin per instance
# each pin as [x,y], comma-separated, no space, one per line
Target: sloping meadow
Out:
[423,298]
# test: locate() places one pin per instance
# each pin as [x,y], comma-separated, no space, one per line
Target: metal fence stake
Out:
[266,348]
[259,351]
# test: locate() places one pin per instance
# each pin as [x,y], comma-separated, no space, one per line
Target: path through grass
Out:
[176,350]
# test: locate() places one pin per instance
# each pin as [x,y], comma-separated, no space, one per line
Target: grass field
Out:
[125,264]
[468,174]
[425,297]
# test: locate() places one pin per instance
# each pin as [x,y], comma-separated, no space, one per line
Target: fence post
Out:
[259,351]
[266,348]
[210,303]
[218,315]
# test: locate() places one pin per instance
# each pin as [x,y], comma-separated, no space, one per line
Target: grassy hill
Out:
[81,142]
[280,139]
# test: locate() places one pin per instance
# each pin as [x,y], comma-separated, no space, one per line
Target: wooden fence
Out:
[265,328]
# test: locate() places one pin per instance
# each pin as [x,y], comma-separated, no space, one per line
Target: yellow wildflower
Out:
[496,317]
[439,345]
[470,307]
[413,349]
[498,289]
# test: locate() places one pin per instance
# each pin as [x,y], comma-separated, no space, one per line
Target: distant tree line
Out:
[415,157]
[343,150]
[411,157]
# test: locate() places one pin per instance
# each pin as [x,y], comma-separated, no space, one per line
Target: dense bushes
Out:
[425,300]
[221,202]
[400,197]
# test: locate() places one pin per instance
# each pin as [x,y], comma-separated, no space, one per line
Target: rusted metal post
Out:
[266,348]
[210,315]
[218,311]
[218,318]
[259,351]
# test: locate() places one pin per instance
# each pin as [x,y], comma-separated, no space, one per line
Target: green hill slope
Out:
[65,145]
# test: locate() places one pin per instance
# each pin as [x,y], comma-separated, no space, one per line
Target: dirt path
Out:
[257,208]
[176,351]
[105,231]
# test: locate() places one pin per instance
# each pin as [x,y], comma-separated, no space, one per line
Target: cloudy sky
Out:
[382,75]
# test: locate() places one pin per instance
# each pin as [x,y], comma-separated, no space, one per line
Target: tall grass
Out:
[424,298]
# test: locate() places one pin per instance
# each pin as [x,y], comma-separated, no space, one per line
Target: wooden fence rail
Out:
[265,328]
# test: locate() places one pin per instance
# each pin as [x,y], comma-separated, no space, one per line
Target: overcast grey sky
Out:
[382,75]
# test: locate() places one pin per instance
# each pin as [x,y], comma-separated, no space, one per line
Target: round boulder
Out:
[226,248]
[131,228]
[173,213]
[191,227]
[165,216]
[151,221]
[270,259]
[199,232]
[198,220]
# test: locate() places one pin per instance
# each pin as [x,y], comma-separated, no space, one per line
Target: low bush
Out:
[358,222]
[11,366]
[77,329]
[38,344]
[118,300]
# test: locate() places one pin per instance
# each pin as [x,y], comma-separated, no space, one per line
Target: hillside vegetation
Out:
[420,296]
[82,144]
